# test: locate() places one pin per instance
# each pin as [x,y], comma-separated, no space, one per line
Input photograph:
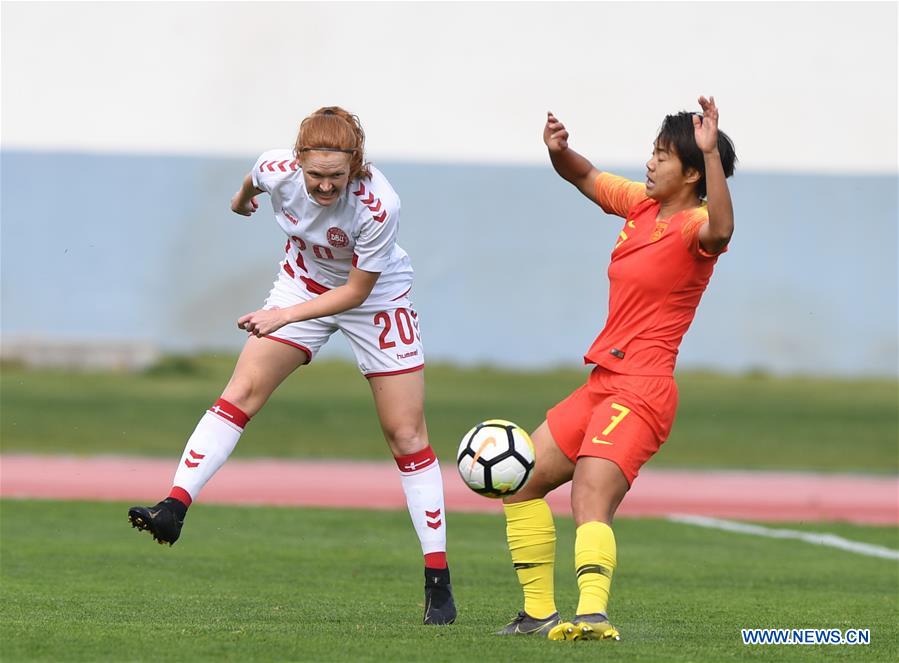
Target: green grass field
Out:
[263,584]
[325,411]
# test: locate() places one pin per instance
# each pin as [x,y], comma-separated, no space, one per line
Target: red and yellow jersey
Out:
[657,276]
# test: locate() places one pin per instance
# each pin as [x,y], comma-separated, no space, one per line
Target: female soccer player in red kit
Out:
[342,270]
[677,223]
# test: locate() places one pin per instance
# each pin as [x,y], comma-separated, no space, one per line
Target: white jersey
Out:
[324,242]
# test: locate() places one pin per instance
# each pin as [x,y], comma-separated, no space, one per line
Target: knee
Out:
[405,439]
[244,394]
[594,502]
[535,489]
[597,489]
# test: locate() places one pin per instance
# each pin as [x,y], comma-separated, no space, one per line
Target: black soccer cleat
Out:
[524,624]
[163,521]
[440,609]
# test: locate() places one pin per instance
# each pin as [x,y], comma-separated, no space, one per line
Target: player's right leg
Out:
[531,536]
[262,366]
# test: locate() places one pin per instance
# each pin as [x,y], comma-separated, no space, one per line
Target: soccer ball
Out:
[496,458]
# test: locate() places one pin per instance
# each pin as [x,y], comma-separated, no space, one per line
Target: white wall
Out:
[810,284]
[802,86]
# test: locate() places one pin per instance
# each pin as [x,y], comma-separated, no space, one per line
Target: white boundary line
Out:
[816,538]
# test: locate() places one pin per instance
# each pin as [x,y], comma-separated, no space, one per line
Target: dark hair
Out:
[676,133]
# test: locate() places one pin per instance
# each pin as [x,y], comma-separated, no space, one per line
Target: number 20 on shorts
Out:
[405,329]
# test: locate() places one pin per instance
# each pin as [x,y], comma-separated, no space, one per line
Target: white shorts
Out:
[384,336]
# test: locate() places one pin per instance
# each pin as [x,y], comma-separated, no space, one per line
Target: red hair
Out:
[333,129]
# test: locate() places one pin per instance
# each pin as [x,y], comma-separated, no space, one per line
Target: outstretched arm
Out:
[714,235]
[570,165]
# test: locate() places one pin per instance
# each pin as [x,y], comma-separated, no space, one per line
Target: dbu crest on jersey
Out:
[337,238]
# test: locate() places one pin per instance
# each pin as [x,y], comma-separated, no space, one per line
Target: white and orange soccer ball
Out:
[496,458]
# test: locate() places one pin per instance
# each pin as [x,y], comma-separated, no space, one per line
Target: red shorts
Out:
[622,418]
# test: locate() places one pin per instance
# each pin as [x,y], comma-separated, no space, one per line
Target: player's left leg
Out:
[399,400]
[597,489]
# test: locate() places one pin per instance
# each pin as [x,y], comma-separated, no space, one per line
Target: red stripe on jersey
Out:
[369,199]
[403,295]
[230,413]
[313,287]
[355,260]
[262,166]
[360,191]
[376,206]
[289,270]
[416,461]
[380,218]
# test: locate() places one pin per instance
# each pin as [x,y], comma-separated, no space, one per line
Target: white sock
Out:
[208,448]
[423,485]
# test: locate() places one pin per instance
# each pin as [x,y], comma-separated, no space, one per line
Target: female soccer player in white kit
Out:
[342,270]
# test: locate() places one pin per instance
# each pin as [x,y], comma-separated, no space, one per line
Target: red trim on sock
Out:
[435,560]
[230,413]
[417,461]
[181,495]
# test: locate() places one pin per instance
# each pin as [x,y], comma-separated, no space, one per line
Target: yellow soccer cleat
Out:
[585,627]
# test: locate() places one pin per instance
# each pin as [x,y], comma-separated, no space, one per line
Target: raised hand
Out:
[555,135]
[705,128]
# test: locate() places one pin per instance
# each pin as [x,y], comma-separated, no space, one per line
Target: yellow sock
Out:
[594,560]
[532,542]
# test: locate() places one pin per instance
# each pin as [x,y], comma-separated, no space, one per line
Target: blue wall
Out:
[510,262]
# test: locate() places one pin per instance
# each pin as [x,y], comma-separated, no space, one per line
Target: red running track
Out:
[767,496]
